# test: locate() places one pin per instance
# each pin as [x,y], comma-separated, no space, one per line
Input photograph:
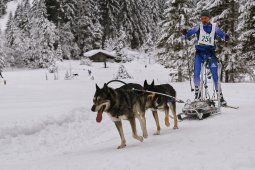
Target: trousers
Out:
[209,57]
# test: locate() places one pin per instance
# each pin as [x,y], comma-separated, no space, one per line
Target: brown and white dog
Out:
[157,102]
[121,104]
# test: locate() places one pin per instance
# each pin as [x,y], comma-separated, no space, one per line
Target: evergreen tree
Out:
[67,42]
[18,15]
[172,52]
[10,30]
[61,11]
[122,73]
[88,30]
[25,15]
[133,20]
[2,7]
[120,46]
[246,48]
[109,10]
[225,14]
[154,15]
[41,52]
[2,52]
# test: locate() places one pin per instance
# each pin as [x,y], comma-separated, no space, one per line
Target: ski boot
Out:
[222,100]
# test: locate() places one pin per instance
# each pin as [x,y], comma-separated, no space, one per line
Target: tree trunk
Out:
[179,75]
[226,76]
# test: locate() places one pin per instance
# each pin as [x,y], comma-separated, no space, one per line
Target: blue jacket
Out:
[208,29]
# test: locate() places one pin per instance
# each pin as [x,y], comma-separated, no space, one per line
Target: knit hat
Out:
[205,13]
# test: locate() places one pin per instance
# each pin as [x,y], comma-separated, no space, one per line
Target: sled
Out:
[205,106]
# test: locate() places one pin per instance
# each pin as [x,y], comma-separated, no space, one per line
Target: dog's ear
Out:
[97,87]
[105,86]
[152,83]
[145,84]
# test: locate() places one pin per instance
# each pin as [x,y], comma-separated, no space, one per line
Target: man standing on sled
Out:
[206,33]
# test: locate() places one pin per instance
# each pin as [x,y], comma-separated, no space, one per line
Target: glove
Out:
[227,37]
[184,31]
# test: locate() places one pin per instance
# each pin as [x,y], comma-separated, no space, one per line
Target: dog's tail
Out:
[116,81]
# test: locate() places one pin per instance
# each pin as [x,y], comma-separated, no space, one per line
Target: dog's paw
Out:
[175,127]
[145,135]
[156,133]
[167,123]
[121,146]
[140,138]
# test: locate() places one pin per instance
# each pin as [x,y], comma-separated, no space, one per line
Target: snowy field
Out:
[48,125]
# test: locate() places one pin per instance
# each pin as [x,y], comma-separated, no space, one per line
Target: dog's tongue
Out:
[100,114]
[99,117]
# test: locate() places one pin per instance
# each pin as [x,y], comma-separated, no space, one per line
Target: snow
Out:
[49,125]
[93,52]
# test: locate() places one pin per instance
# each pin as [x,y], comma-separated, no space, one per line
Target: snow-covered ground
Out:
[48,125]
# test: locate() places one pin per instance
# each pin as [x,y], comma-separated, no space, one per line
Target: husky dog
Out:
[121,104]
[163,103]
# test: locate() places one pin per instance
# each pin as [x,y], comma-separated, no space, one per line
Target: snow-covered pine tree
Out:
[41,52]
[122,73]
[2,59]
[88,31]
[154,14]
[23,23]
[63,13]
[225,14]
[121,47]
[149,47]
[2,7]
[86,61]
[54,12]
[162,6]
[85,39]
[67,26]
[18,15]
[97,35]
[246,48]
[94,22]
[59,52]
[69,7]
[132,18]
[14,42]
[172,50]
[109,11]
[10,30]
[2,52]
[69,47]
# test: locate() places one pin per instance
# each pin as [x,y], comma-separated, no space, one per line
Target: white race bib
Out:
[206,38]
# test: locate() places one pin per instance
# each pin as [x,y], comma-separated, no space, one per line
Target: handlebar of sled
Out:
[171,97]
